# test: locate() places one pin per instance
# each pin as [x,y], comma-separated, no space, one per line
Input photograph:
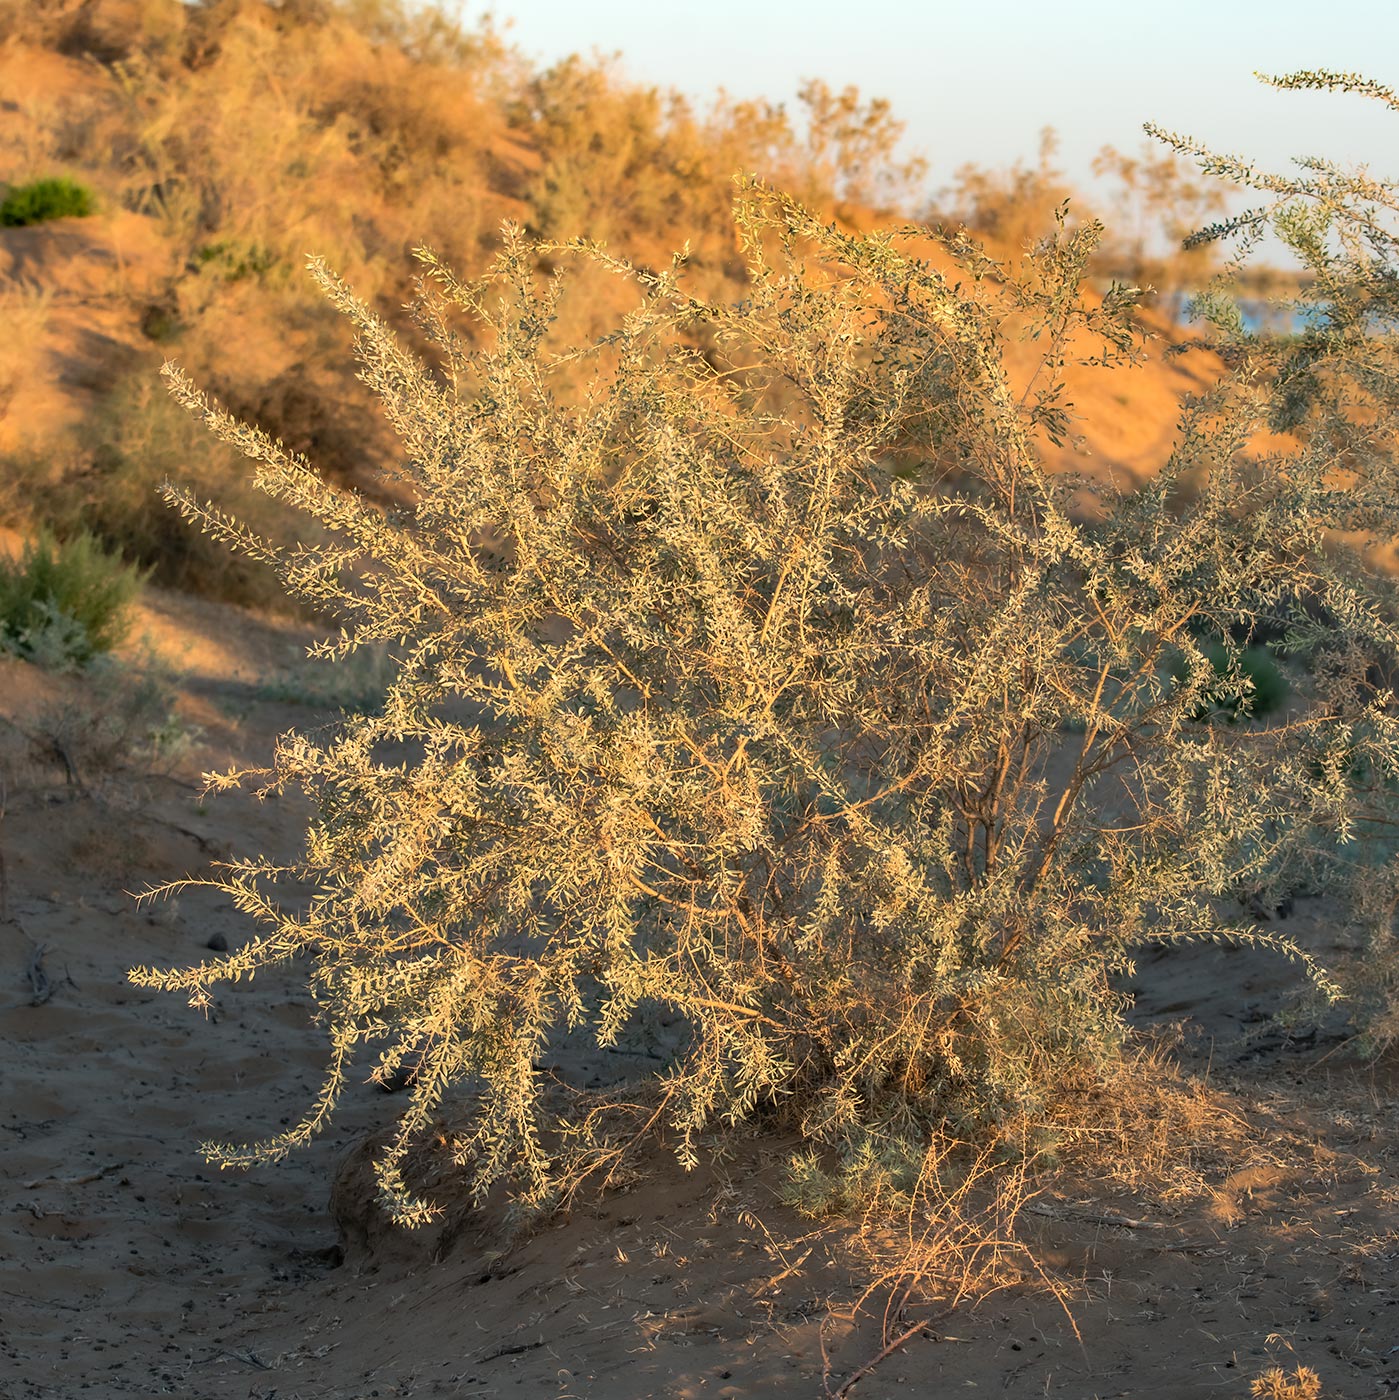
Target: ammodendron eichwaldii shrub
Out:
[707,703]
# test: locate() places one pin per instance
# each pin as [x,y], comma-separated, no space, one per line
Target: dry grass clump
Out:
[101,731]
[122,720]
[26,312]
[1146,1129]
[1276,1384]
[944,1221]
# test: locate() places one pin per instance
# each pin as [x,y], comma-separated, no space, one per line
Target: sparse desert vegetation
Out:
[55,197]
[62,603]
[766,787]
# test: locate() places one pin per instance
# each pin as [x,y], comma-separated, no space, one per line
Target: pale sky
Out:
[977,79]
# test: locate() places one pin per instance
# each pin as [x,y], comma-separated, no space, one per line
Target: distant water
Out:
[1257,314]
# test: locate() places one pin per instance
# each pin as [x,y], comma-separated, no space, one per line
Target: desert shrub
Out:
[395,123]
[108,30]
[107,486]
[636,166]
[56,197]
[388,123]
[233,260]
[62,603]
[1014,206]
[1153,199]
[26,312]
[704,705]
[1158,199]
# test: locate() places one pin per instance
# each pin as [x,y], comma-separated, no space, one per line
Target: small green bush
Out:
[64,602]
[1247,684]
[56,197]
[236,260]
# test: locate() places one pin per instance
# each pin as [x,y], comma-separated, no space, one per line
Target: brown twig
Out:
[792,1268]
[40,983]
[889,1348]
[1126,1222]
[84,1180]
[510,1349]
[4,872]
[248,1358]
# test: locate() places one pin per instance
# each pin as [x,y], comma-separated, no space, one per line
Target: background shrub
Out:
[1329,380]
[1247,682]
[64,602]
[56,197]
[399,124]
[107,485]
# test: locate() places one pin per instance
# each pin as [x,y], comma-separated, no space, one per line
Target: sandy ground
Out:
[127,1267]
